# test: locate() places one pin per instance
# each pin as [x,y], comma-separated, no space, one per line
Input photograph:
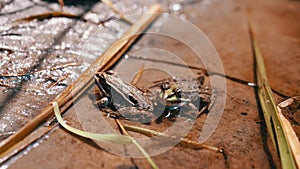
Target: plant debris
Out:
[114,138]
[291,104]
[270,112]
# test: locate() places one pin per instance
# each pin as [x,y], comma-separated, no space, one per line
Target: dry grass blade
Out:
[57,81]
[138,76]
[61,4]
[151,162]
[4,85]
[45,16]
[63,66]
[288,129]
[183,141]
[73,91]
[270,111]
[111,6]
[54,14]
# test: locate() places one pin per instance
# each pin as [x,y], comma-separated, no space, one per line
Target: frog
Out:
[185,92]
[124,99]
[165,98]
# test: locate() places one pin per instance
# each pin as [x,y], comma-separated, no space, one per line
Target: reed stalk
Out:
[269,109]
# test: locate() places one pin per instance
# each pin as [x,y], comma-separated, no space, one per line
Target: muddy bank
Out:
[241,131]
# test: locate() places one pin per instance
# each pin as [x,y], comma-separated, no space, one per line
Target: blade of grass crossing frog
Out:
[114,138]
[270,111]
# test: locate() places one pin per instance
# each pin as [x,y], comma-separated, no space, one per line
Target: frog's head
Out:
[104,87]
[170,91]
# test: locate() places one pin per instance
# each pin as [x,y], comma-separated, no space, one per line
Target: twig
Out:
[183,141]
[111,6]
[6,134]
[138,76]
[9,51]
[4,85]
[64,65]
[151,162]
[57,81]
[61,4]
[54,14]
[208,73]
[74,91]
[45,16]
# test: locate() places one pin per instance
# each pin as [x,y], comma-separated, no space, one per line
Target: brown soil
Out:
[241,132]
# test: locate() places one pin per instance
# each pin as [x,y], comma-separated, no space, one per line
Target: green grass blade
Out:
[270,111]
[147,156]
[144,152]
[114,138]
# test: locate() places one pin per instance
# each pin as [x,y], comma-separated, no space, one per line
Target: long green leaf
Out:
[114,138]
[270,111]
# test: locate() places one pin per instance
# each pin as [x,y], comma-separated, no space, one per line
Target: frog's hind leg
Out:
[190,111]
[206,102]
[213,99]
[165,113]
[136,115]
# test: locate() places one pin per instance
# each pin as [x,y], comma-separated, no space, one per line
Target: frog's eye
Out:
[133,100]
[99,77]
[201,80]
[165,86]
[110,72]
[177,90]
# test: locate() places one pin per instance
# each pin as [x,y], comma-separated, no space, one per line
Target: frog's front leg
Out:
[189,110]
[207,100]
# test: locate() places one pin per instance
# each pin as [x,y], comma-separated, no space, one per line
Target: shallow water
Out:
[34,55]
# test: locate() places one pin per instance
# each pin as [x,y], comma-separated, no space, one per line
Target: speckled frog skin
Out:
[165,99]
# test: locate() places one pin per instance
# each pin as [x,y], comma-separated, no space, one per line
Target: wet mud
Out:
[41,57]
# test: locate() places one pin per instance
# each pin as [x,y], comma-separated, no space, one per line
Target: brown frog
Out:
[166,99]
